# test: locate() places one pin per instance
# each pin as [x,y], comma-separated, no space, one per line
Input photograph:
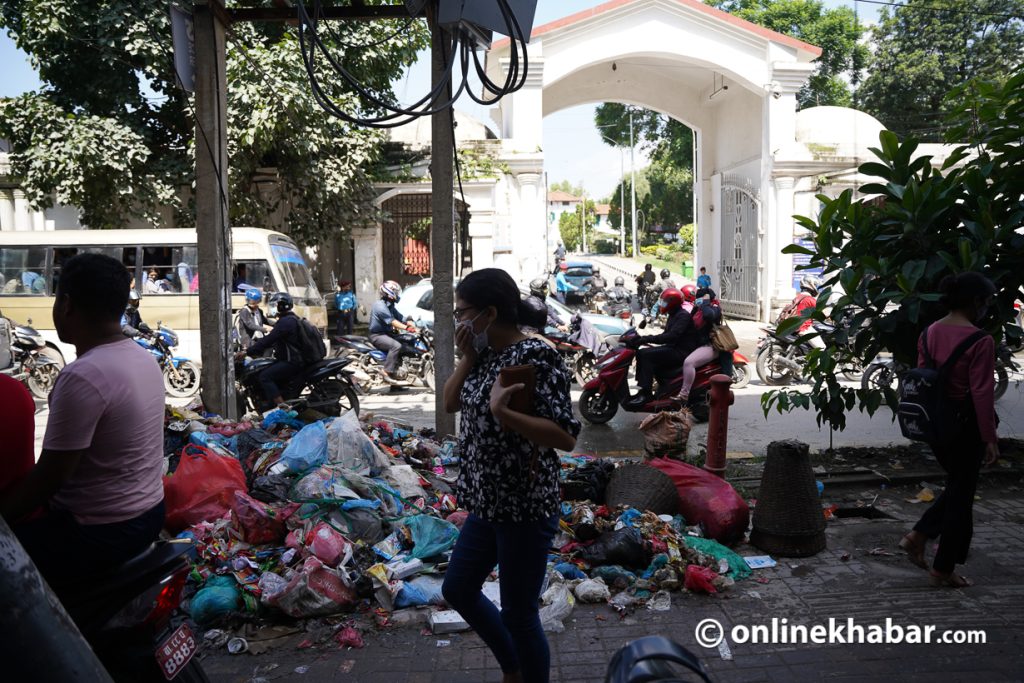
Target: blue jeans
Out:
[520,549]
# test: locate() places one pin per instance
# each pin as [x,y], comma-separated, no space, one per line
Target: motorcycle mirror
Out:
[643,324]
[30,322]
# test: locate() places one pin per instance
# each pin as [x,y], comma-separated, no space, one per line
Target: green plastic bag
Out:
[706,546]
[431,536]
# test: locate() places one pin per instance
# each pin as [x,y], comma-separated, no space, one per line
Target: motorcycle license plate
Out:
[176,651]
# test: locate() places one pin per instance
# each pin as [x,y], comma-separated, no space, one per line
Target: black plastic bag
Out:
[623,547]
[272,488]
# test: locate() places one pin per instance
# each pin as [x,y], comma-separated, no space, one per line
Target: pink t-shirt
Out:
[974,373]
[109,403]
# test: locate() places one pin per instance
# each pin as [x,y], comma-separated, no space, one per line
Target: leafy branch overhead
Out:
[883,256]
[111,133]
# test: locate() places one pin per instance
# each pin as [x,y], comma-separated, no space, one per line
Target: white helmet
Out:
[811,284]
[390,290]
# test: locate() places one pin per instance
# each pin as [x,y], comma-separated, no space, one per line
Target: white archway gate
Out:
[733,82]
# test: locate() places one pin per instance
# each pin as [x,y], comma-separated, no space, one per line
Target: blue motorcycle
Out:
[181,375]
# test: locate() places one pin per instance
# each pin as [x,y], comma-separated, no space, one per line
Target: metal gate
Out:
[739,270]
[407,261]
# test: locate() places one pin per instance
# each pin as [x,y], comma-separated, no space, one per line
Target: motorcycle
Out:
[181,375]
[325,386]
[415,360]
[131,617]
[887,373]
[35,363]
[603,395]
[618,307]
[581,360]
[780,359]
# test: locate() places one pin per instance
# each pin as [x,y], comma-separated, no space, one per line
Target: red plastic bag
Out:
[201,488]
[315,590]
[707,499]
[700,579]
[327,544]
[258,522]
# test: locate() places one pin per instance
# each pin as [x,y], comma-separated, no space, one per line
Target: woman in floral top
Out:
[509,476]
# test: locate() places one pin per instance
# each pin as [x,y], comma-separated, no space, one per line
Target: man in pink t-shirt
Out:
[100,472]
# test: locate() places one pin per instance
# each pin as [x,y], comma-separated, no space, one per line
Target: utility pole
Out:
[632,181]
[622,204]
[442,146]
[213,231]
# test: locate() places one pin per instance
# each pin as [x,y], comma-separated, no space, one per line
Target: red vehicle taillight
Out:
[168,599]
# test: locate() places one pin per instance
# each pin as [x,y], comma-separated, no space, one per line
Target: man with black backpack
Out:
[295,347]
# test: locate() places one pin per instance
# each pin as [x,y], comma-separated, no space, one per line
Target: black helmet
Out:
[665,274]
[539,287]
[619,281]
[535,313]
[648,266]
[281,302]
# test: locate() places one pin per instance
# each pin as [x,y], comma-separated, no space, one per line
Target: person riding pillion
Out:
[385,322]
[673,345]
[287,344]
[252,322]
[539,289]
[131,319]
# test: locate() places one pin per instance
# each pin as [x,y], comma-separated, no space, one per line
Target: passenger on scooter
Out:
[385,322]
[705,315]
[284,339]
[806,298]
[539,289]
[674,344]
[131,319]
[252,323]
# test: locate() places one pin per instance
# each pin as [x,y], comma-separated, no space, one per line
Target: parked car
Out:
[578,274]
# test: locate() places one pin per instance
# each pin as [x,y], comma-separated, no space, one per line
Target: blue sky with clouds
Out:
[574,150]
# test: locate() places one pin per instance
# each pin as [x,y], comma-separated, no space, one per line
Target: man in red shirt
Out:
[17,424]
[806,298]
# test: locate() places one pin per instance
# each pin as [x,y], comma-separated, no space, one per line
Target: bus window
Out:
[248,274]
[186,268]
[160,272]
[23,270]
[297,280]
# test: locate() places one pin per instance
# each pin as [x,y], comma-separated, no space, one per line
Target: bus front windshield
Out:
[294,271]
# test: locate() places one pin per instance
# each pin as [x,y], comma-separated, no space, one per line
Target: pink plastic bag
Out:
[700,579]
[315,590]
[200,489]
[327,544]
[259,522]
[707,499]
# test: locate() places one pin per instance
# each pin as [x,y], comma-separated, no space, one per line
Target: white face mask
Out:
[480,340]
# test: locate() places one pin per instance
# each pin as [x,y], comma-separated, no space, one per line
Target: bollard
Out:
[718,424]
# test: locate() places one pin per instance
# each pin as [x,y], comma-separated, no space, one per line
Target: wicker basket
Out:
[788,521]
[644,488]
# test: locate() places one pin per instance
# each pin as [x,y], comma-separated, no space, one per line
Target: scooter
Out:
[181,375]
[415,360]
[325,386]
[603,395]
[130,616]
[580,359]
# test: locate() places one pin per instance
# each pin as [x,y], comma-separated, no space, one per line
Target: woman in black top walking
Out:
[509,476]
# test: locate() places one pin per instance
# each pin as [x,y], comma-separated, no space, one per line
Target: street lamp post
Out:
[632,181]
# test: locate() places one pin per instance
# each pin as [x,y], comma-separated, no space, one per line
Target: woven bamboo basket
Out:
[788,520]
[644,488]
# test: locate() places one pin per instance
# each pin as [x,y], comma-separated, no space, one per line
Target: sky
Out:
[573,148]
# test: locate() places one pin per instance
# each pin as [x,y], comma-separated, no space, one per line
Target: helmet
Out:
[280,302]
[133,297]
[253,296]
[648,266]
[671,300]
[535,313]
[563,265]
[596,271]
[665,274]
[688,292]
[811,284]
[390,290]
[539,287]
[619,281]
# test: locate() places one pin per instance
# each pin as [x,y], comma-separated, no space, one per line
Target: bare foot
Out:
[913,544]
[950,580]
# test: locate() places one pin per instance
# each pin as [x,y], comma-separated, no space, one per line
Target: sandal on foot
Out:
[951,580]
[915,552]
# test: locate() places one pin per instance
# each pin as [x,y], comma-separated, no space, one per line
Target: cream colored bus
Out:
[164,265]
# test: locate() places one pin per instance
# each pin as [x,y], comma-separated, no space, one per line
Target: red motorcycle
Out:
[603,395]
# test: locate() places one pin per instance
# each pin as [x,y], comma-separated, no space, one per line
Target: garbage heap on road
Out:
[302,516]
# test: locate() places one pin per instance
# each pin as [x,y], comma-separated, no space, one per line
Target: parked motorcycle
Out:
[780,359]
[181,375]
[130,616]
[415,360]
[603,395]
[888,373]
[325,386]
[34,362]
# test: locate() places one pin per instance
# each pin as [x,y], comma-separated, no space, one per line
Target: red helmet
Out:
[563,265]
[671,300]
[689,293]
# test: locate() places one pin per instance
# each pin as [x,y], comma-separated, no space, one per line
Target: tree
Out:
[922,51]
[885,256]
[570,228]
[111,133]
[836,31]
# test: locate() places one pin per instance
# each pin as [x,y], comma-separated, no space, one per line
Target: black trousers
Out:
[274,380]
[951,517]
[657,361]
[345,323]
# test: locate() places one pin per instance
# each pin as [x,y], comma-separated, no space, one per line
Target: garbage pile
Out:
[309,517]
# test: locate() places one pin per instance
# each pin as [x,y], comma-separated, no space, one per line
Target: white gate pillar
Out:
[369,265]
[785,208]
[6,210]
[22,217]
[530,228]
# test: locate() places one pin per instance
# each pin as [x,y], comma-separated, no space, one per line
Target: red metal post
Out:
[718,425]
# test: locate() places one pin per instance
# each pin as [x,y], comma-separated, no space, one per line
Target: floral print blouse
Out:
[504,477]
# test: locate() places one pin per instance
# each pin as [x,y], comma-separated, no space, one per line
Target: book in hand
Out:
[520,401]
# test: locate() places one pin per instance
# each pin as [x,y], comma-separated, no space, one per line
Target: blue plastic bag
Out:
[430,536]
[278,416]
[307,449]
[423,590]
[219,597]
[569,571]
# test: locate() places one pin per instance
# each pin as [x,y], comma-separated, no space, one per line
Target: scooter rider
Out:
[287,345]
[131,319]
[597,283]
[252,323]
[806,298]
[619,293]
[539,290]
[644,281]
[674,344]
[385,321]
[665,282]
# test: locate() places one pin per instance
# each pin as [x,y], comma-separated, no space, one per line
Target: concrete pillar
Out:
[783,229]
[529,240]
[38,221]
[22,219]
[6,210]
[481,232]
[522,113]
[369,271]
[715,247]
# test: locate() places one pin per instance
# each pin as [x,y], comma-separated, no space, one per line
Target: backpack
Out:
[705,313]
[925,411]
[311,344]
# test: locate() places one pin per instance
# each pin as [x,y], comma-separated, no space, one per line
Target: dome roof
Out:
[837,131]
[417,133]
